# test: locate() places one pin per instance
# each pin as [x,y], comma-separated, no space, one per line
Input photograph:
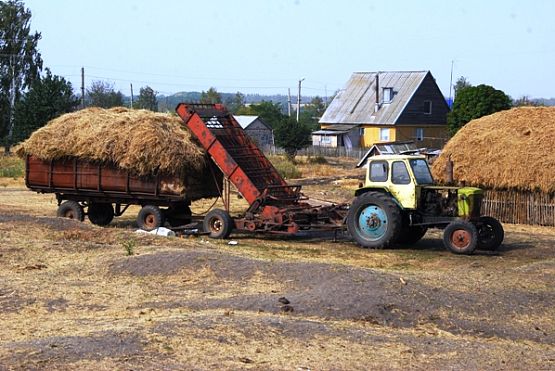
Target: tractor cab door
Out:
[403,187]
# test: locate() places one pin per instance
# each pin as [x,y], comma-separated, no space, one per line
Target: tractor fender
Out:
[383,190]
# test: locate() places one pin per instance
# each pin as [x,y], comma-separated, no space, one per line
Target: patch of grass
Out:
[285,167]
[129,246]
[11,167]
[319,160]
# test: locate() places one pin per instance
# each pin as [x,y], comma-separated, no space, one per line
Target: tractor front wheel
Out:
[490,233]
[460,237]
[374,220]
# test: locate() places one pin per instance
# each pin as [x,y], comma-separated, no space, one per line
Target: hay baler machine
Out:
[274,206]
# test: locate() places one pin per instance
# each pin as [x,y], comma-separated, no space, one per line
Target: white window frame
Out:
[419,134]
[385,135]
[429,112]
[390,95]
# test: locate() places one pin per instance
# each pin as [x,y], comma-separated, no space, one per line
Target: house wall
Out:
[324,140]
[414,111]
[261,134]
[434,136]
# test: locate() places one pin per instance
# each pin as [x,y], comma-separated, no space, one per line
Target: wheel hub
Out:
[150,221]
[461,238]
[372,222]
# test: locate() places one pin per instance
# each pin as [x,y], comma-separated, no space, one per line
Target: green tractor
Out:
[399,202]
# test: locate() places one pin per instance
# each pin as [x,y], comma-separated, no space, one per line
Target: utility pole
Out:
[82,87]
[299,100]
[131,105]
[451,84]
[289,101]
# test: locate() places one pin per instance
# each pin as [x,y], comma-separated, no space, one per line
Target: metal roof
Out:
[355,103]
[330,132]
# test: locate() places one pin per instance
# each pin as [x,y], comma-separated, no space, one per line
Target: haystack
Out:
[510,149]
[140,141]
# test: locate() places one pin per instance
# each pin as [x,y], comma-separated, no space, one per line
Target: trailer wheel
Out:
[150,217]
[71,210]
[411,235]
[460,237]
[100,213]
[374,220]
[218,223]
[490,233]
[178,215]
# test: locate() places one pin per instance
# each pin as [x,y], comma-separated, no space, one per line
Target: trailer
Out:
[102,191]
[274,206]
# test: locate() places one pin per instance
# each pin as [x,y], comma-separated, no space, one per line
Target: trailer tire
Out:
[71,210]
[100,213]
[150,217]
[374,220]
[490,233]
[178,215]
[460,237]
[218,223]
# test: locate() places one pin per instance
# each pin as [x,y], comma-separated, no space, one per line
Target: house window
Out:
[419,135]
[387,95]
[325,140]
[427,107]
[384,134]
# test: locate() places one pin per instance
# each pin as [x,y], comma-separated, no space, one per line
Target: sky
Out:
[267,46]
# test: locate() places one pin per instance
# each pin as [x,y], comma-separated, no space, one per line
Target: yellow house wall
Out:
[434,136]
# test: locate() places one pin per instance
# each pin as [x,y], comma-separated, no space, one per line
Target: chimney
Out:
[377,107]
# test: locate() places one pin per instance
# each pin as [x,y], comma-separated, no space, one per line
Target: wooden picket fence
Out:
[518,207]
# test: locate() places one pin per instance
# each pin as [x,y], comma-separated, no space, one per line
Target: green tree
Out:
[292,136]
[20,62]
[211,96]
[48,98]
[474,102]
[312,112]
[461,83]
[147,99]
[270,113]
[235,103]
[102,94]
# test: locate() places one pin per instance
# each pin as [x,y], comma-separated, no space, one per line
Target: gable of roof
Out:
[246,120]
[355,103]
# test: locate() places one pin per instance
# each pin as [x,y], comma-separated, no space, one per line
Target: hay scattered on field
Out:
[509,149]
[141,141]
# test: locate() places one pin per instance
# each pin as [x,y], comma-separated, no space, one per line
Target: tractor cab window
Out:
[378,171]
[421,171]
[399,173]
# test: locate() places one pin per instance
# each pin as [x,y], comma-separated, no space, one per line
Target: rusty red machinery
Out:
[274,206]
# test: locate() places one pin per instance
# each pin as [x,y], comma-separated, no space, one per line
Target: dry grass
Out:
[509,149]
[138,140]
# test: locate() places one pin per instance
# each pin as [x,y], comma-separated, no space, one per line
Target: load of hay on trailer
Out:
[95,159]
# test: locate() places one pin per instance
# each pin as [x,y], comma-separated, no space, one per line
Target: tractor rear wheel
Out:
[374,220]
[218,223]
[100,213]
[490,233]
[460,237]
[150,217]
[71,210]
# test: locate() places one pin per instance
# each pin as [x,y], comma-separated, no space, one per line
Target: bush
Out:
[11,167]
[286,168]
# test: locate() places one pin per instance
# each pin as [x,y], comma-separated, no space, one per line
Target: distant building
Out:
[257,129]
[377,107]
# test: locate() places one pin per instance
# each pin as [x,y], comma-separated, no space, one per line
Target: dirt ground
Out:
[72,298]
